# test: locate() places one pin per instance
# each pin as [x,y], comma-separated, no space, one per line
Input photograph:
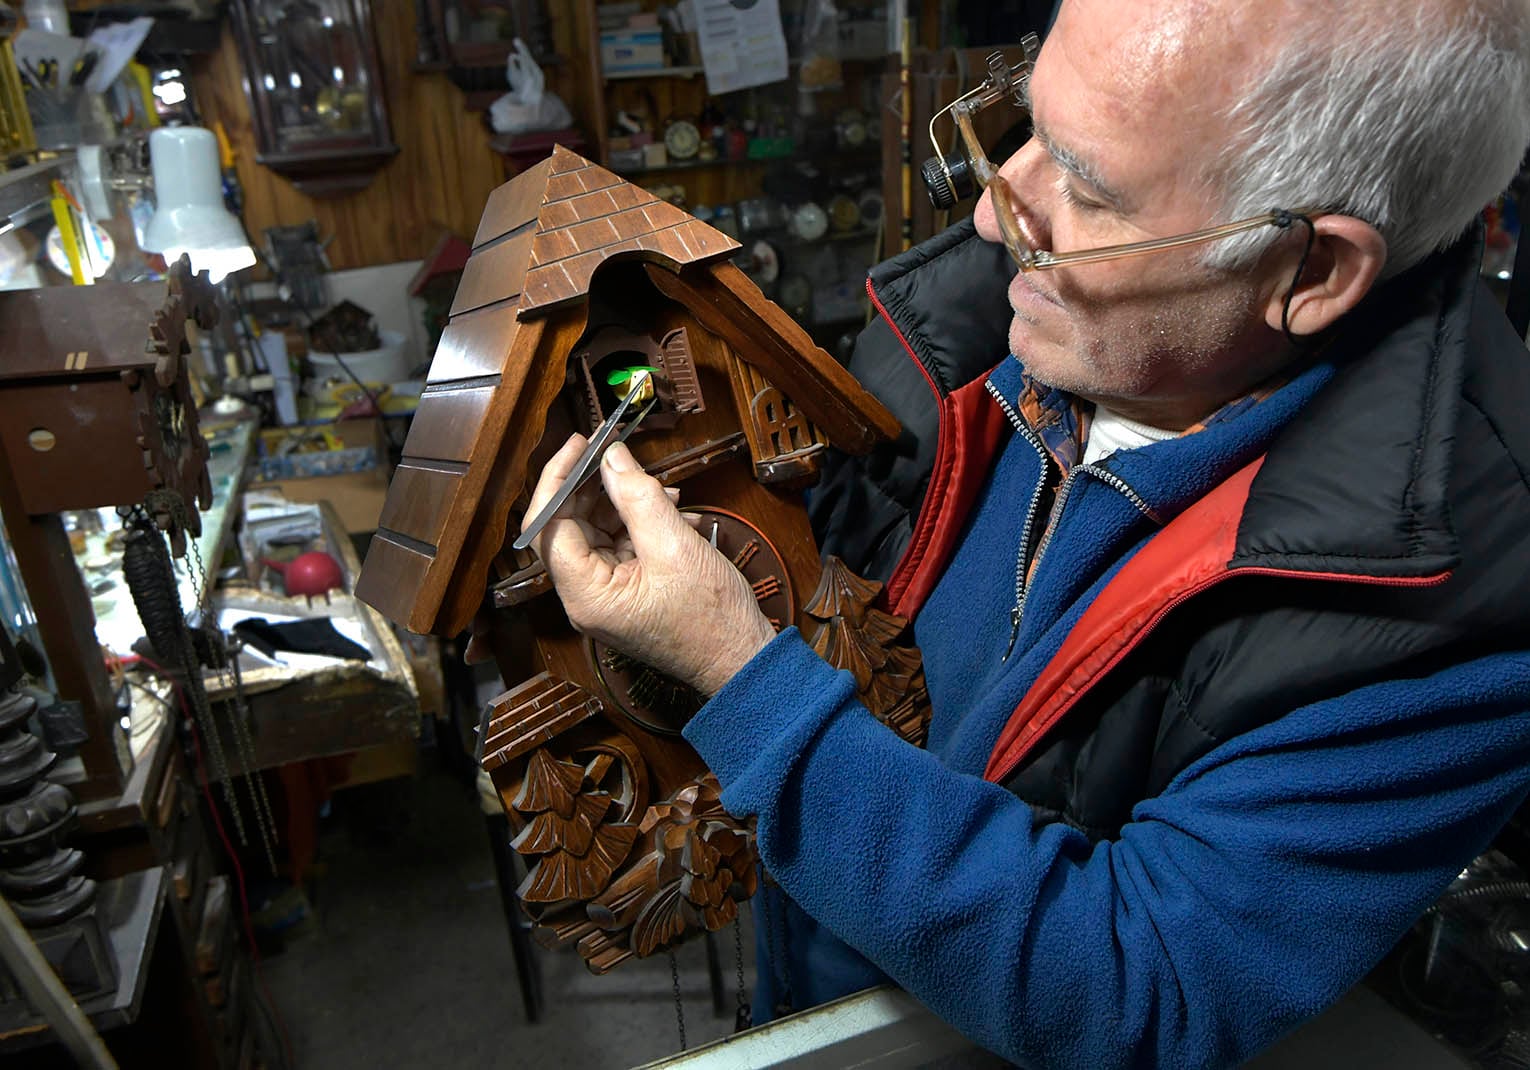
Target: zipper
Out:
[1022,562]
[1024,429]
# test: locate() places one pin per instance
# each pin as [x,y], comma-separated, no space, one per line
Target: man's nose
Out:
[1025,176]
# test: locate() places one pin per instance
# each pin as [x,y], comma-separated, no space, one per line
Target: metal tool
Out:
[605,436]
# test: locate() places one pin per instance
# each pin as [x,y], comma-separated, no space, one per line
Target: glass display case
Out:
[315,88]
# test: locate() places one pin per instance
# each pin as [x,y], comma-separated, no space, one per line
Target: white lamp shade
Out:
[189,216]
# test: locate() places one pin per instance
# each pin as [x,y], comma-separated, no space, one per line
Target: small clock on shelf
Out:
[796,296]
[844,213]
[682,139]
[809,222]
[851,129]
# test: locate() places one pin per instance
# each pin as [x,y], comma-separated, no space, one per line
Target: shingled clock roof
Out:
[497,368]
[586,216]
[541,238]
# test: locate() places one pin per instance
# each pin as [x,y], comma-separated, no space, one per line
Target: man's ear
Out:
[1348,256]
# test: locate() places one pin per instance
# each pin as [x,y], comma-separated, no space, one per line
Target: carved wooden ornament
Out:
[575,275]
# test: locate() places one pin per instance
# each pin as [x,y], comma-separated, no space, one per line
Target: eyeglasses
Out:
[965,173]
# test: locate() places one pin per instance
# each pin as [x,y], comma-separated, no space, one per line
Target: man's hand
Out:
[634,574]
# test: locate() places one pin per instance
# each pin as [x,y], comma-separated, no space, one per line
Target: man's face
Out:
[1127,101]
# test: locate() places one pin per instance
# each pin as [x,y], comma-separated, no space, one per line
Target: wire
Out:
[228,847]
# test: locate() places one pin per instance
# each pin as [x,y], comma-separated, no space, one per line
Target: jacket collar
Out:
[1357,483]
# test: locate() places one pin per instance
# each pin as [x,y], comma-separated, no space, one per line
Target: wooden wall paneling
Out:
[578,38]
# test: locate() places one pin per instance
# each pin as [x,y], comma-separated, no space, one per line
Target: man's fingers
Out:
[553,475]
[651,519]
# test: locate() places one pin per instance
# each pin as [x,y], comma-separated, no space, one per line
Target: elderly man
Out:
[1220,576]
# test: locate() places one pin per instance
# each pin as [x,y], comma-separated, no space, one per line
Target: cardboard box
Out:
[631,50]
[291,453]
[357,496]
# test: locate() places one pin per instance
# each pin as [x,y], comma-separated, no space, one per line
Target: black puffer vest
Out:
[1385,535]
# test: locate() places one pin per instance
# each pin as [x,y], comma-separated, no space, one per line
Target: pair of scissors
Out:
[605,436]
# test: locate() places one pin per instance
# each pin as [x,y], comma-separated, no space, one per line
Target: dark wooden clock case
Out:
[574,272]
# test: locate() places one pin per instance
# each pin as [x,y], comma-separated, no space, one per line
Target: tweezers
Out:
[605,436]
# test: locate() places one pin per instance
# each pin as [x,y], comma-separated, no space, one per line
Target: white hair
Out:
[1409,116]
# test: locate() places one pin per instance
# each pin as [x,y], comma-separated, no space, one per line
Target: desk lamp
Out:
[189,216]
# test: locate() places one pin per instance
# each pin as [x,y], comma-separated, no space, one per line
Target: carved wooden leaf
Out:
[893,682]
[713,918]
[910,716]
[661,920]
[548,831]
[558,926]
[561,875]
[699,858]
[602,953]
[550,784]
[841,593]
[619,904]
[883,627]
[844,646]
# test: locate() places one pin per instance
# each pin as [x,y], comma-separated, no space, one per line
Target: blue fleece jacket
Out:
[1266,879]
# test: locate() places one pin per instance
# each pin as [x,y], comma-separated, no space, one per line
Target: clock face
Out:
[870,206]
[844,212]
[852,128]
[810,222]
[796,295]
[682,139]
[661,703]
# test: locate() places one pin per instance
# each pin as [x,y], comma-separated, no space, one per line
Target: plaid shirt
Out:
[1061,421]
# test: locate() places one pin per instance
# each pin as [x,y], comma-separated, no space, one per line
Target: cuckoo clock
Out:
[96,409]
[576,275]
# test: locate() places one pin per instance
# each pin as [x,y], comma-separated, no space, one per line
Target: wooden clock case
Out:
[576,272]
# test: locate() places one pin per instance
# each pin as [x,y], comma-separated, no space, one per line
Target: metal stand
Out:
[527,971]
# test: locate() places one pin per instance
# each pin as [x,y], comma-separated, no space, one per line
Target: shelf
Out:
[791,241]
[852,157]
[693,165]
[655,72]
[489,54]
[129,908]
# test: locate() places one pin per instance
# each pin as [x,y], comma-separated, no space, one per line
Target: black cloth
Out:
[314,636]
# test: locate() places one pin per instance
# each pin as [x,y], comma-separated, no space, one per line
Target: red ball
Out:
[312,573]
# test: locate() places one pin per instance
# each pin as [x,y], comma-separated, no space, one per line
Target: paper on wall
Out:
[742,43]
[117,42]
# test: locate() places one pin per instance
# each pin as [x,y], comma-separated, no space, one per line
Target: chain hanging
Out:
[151,582]
[743,1017]
[220,655]
[243,719]
[225,658]
[775,923]
[674,976]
